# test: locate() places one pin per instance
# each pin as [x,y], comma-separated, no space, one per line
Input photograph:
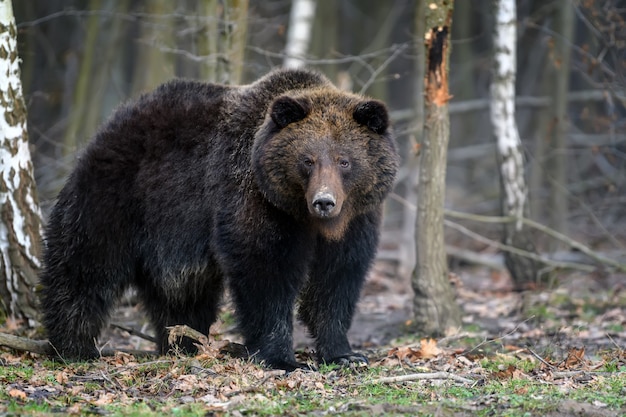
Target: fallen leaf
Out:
[16,393]
[575,357]
[61,377]
[429,348]
[105,398]
[508,373]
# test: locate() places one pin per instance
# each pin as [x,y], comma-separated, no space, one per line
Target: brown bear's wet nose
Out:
[324,204]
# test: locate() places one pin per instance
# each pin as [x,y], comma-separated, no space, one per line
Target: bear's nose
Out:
[324,204]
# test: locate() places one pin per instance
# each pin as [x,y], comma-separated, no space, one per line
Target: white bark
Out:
[503,111]
[524,271]
[299,33]
[19,208]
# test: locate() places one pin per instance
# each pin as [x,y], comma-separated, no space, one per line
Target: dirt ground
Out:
[569,332]
[580,310]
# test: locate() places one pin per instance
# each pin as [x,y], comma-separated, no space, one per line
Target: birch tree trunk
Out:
[435,311]
[515,193]
[299,33]
[20,218]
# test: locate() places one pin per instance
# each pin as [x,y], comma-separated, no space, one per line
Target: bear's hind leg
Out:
[76,304]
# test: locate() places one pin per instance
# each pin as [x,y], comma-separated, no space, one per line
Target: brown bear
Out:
[273,189]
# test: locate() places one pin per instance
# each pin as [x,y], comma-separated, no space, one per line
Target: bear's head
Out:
[325,156]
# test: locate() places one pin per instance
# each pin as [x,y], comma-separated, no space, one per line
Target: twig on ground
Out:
[24,344]
[567,374]
[179,331]
[255,387]
[451,338]
[614,342]
[136,353]
[542,360]
[486,341]
[134,332]
[419,376]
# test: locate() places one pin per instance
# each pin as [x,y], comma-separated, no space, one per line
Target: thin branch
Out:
[517,251]
[134,332]
[500,219]
[481,104]
[41,347]
[542,228]
[542,360]
[509,333]
[420,376]
[398,49]
[331,61]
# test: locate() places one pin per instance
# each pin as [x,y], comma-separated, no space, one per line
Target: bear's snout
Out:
[324,204]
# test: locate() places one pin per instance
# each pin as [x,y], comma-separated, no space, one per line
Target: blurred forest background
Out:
[83,58]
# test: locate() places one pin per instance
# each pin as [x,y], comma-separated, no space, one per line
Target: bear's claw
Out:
[350,359]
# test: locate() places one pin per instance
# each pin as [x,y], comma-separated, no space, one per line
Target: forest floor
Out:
[555,352]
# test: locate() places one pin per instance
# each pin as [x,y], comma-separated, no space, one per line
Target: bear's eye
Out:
[308,162]
[344,163]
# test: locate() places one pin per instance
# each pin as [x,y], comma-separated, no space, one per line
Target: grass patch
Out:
[173,386]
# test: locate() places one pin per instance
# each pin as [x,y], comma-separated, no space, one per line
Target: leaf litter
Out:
[513,341]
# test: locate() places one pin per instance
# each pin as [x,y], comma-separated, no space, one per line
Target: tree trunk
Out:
[299,34]
[515,193]
[154,66]
[82,92]
[408,247]
[226,34]
[435,311]
[237,19]
[20,218]
[557,166]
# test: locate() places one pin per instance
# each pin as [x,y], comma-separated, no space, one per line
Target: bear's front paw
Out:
[349,360]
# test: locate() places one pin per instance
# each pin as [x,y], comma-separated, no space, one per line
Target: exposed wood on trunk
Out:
[435,311]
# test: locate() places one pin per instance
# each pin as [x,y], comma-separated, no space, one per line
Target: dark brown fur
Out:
[274,189]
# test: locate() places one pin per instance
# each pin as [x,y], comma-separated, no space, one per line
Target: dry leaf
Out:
[507,373]
[16,393]
[429,348]
[105,398]
[61,377]
[575,357]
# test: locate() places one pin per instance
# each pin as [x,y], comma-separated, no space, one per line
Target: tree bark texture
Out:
[20,218]
[435,310]
[237,27]
[556,168]
[158,66]
[514,197]
[226,35]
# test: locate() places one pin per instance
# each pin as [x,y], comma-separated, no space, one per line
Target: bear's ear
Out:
[286,110]
[372,114]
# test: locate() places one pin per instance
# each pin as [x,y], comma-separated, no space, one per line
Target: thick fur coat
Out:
[274,189]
